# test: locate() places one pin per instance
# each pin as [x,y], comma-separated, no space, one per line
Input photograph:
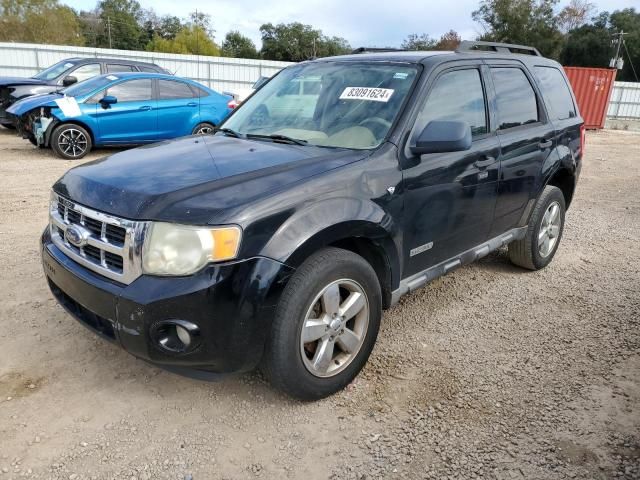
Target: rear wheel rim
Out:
[204,130]
[334,328]
[73,142]
[549,231]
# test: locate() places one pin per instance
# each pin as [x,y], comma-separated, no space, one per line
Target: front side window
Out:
[137,90]
[457,95]
[332,104]
[86,71]
[555,92]
[516,99]
[170,90]
[85,88]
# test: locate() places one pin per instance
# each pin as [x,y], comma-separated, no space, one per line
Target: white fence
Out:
[219,73]
[625,100]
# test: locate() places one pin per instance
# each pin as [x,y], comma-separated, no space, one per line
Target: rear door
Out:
[178,109]
[450,197]
[133,119]
[526,140]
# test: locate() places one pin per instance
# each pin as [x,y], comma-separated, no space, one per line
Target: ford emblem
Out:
[76,236]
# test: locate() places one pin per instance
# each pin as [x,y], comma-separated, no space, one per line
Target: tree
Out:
[574,15]
[295,42]
[166,27]
[418,42]
[39,21]
[237,45]
[528,22]
[202,20]
[587,46]
[448,41]
[122,29]
[190,40]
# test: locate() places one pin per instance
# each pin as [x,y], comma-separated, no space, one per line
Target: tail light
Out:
[583,138]
[233,103]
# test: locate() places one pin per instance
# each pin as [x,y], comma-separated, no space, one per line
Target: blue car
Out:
[119,109]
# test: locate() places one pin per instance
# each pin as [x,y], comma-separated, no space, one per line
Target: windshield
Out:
[333,104]
[54,71]
[88,86]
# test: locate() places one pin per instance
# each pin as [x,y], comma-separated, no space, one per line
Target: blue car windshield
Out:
[88,86]
[330,104]
[54,71]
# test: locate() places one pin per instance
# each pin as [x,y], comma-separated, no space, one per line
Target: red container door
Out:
[592,88]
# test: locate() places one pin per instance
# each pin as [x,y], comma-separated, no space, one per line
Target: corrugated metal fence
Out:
[625,100]
[219,73]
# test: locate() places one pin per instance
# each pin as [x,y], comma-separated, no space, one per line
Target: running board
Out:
[417,280]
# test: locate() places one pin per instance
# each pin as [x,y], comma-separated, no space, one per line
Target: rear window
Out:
[555,92]
[516,99]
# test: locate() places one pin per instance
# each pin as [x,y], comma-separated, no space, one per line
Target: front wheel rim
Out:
[73,142]
[549,230]
[204,130]
[334,328]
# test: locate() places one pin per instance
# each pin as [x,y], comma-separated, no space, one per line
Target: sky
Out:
[362,22]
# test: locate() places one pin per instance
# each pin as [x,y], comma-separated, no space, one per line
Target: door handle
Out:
[486,162]
[145,107]
[192,104]
[546,144]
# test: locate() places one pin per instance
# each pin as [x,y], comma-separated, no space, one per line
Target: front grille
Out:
[107,245]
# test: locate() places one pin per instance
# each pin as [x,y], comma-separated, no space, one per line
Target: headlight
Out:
[182,250]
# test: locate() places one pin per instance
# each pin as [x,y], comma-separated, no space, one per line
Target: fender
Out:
[328,221]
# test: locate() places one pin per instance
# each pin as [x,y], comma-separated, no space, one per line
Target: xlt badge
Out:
[420,249]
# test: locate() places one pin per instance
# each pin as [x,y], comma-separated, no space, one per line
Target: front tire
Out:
[70,141]
[538,247]
[326,325]
[204,128]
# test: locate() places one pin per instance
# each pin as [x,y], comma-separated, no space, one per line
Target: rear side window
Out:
[516,99]
[555,92]
[132,91]
[457,95]
[171,90]
[118,67]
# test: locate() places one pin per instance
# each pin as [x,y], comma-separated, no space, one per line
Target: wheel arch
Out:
[565,180]
[58,123]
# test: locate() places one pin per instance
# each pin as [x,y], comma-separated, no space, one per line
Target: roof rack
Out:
[478,46]
[376,49]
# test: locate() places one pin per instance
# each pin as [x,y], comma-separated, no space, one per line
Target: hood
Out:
[194,179]
[27,104]
[10,81]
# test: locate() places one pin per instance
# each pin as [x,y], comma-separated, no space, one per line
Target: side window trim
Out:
[440,74]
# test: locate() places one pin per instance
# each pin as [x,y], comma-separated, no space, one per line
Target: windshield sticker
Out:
[401,75]
[69,106]
[68,65]
[367,93]
[112,77]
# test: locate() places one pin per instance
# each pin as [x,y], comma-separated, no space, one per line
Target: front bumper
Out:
[232,304]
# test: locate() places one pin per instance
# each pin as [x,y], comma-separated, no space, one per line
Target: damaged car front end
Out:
[35,118]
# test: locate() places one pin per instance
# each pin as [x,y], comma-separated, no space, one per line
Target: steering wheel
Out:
[376,121]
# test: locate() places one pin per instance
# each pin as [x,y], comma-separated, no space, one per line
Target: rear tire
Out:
[70,141]
[538,247]
[204,128]
[325,326]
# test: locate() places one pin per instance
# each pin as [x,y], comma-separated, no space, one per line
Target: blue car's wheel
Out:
[204,128]
[70,141]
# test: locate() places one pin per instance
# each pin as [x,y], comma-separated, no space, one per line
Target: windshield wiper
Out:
[231,132]
[281,138]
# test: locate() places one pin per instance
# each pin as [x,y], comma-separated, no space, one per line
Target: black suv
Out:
[339,186]
[62,74]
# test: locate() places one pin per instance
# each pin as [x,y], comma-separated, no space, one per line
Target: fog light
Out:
[175,336]
[183,335]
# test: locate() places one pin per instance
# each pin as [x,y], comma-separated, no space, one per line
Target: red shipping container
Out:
[592,88]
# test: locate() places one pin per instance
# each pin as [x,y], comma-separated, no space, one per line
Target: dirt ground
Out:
[489,372]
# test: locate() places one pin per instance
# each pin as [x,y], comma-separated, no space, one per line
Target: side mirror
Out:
[108,100]
[69,80]
[441,136]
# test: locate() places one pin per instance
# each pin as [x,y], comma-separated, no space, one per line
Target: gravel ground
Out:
[489,372]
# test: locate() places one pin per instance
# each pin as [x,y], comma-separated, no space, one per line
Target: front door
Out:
[450,197]
[133,118]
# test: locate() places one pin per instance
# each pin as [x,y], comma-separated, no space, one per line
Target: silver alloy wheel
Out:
[549,229]
[72,142]
[204,130]
[334,328]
